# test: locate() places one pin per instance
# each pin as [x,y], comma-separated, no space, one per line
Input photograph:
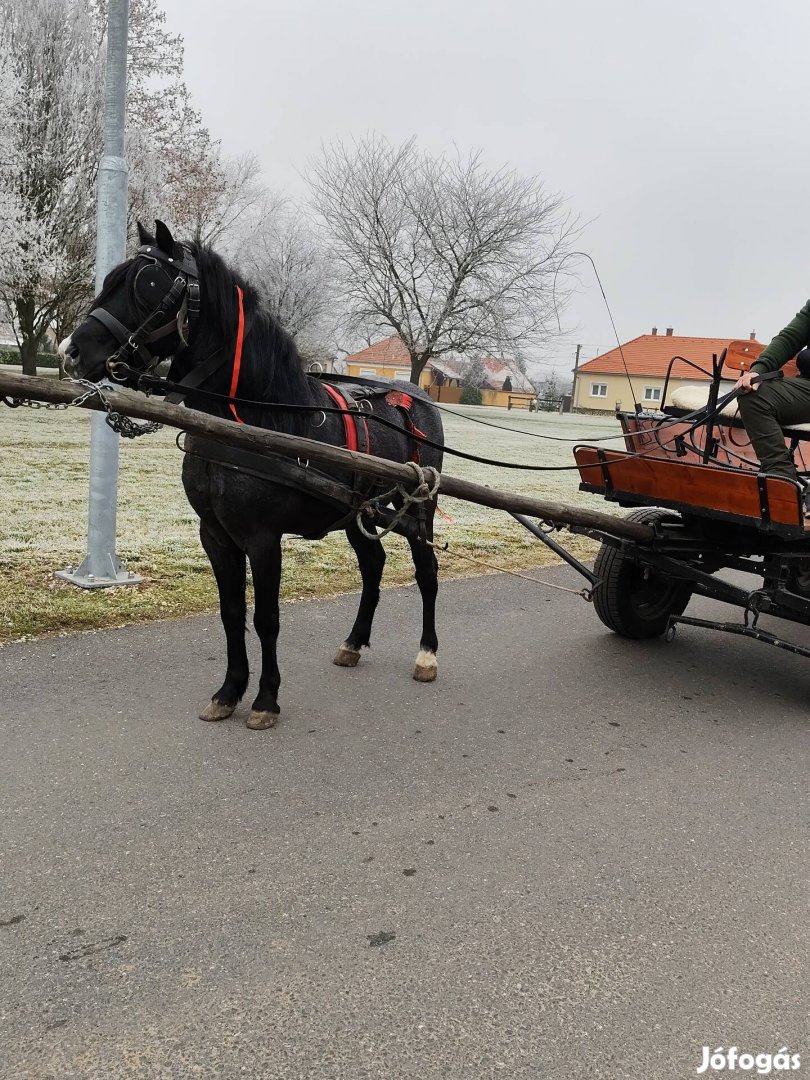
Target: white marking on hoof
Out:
[215,711]
[346,656]
[260,721]
[426,668]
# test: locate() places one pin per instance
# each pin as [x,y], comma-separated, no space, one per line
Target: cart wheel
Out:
[632,600]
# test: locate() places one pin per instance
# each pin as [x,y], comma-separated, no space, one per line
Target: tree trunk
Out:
[28,352]
[29,346]
[418,361]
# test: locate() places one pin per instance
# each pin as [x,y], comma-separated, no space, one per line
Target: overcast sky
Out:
[678,131]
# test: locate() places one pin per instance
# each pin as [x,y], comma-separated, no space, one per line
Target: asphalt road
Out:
[572,856]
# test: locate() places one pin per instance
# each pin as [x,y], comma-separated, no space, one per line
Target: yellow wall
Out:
[501,397]
[383,371]
[380,372]
[445,393]
[618,391]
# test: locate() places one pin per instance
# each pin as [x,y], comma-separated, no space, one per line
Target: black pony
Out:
[222,341]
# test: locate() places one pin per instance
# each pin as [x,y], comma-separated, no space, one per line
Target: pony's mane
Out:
[111,282]
[271,366]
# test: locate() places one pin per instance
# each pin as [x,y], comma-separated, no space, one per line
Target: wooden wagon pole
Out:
[293,446]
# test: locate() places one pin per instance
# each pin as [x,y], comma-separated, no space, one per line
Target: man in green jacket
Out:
[768,406]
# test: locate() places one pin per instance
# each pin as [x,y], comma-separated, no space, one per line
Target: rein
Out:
[185,295]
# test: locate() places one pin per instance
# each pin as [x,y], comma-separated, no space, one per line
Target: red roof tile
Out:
[650,355]
[390,352]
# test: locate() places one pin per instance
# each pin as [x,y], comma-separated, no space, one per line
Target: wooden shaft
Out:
[277,442]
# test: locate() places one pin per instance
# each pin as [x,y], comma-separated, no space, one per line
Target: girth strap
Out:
[278,469]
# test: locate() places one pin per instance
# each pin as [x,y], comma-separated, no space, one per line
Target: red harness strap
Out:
[405,402]
[237,356]
[348,421]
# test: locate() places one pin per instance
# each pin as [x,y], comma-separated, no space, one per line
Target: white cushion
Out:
[693,398]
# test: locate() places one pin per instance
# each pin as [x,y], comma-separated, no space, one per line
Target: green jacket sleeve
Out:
[786,343]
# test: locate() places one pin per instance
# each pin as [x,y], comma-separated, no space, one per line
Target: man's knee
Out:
[758,402]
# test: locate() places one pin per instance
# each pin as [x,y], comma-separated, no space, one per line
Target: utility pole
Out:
[101,566]
[575,387]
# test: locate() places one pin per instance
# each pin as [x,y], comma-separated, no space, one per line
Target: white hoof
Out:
[426,668]
[346,656]
[215,711]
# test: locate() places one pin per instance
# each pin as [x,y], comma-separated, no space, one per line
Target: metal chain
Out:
[131,429]
[15,403]
[122,425]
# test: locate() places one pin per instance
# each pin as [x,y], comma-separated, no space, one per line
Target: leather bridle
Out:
[177,312]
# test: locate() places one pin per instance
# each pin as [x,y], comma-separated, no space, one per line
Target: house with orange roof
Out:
[637,371]
[386,359]
[441,377]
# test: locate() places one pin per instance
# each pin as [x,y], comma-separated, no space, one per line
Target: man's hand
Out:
[745,382]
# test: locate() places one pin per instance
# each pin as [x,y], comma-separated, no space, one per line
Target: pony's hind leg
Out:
[426,568]
[371,560]
[265,563]
[229,566]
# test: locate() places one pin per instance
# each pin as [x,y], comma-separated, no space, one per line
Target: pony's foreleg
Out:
[371,560]
[427,578]
[229,566]
[265,562]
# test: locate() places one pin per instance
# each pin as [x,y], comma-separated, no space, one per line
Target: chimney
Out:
[752,336]
[654,331]
[669,331]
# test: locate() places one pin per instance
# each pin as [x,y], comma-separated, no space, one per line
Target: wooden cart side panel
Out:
[706,487]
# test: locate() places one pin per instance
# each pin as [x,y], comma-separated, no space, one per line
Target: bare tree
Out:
[549,392]
[50,86]
[288,265]
[444,252]
[213,196]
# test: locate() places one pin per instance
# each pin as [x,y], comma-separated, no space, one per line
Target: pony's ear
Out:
[144,236]
[164,238]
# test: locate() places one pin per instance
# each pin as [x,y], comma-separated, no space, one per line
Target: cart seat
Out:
[693,398]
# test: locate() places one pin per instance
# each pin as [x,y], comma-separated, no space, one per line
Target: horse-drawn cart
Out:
[690,474]
[699,503]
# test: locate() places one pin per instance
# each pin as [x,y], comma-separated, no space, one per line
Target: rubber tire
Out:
[626,602]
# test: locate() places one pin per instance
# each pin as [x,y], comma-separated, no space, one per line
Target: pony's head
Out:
[143,314]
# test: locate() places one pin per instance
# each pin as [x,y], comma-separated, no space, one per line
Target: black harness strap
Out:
[196,377]
[180,302]
[345,500]
[116,328]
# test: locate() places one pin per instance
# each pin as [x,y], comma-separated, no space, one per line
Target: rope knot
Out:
[426,482]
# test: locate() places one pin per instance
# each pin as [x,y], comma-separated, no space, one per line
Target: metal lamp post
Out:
[101,566]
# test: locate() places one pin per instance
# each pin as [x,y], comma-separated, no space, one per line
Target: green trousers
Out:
[776,404]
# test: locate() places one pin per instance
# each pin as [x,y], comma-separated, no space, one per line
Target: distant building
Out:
[442,377]
[602,385]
